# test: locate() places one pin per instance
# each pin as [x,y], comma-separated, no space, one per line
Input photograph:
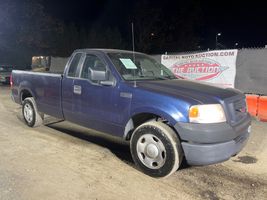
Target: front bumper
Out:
[205,144]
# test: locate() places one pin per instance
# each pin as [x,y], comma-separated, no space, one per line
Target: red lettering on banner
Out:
[198,69]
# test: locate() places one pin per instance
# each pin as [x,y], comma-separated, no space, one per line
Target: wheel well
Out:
[25,94]
[139,119]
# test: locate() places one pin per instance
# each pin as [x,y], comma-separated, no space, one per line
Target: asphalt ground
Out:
[66,161]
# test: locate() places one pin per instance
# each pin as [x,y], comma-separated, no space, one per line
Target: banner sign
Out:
[216,67]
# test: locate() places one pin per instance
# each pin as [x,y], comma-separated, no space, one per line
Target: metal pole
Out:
[216,42]
[133,51]
[133,35]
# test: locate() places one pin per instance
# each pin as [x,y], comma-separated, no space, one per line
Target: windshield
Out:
[139,67]
[5,69]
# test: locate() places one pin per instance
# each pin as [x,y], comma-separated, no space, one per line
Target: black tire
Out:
[167,158]
[30,113]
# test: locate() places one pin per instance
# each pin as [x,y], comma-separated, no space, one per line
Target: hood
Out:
[201,92]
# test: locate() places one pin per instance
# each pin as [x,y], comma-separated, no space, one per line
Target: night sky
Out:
[114,12]
[241,22]
[238,21]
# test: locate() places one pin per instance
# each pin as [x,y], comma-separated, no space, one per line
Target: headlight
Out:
[210,113]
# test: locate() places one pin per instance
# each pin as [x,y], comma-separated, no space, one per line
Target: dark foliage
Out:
[27,29]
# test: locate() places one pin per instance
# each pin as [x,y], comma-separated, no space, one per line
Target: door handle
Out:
[77,89]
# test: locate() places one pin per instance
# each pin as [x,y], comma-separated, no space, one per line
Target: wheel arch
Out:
[25,90]
[140,117]
[25,93]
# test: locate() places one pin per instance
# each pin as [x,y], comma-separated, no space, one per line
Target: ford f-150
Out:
[131,96]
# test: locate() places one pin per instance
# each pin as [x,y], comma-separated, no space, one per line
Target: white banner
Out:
[216,67]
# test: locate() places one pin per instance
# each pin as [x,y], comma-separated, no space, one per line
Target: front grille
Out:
[236,109]
[241,138]
[240,109]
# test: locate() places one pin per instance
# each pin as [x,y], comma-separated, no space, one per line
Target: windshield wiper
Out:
[165,77]
[170,77]
[153,77]
[156,77]
[161,78]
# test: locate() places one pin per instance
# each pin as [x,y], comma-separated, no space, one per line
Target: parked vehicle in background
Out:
[131,96]
[5,73]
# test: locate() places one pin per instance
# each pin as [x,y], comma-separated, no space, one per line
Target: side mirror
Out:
[97,75]
[107,83]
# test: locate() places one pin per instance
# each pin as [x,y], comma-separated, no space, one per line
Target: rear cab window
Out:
[73,67]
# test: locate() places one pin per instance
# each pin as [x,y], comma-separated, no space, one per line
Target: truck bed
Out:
[46,88]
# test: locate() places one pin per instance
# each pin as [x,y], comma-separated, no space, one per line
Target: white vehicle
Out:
[5,73]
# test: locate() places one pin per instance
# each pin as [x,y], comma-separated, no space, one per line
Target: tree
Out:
[25,28]
[166,26]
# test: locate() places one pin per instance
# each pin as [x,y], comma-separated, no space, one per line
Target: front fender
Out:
[170,113]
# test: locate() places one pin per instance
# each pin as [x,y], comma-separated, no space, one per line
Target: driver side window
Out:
[93,62]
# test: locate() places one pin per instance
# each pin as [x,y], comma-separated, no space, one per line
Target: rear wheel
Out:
[30,113]
[156,149]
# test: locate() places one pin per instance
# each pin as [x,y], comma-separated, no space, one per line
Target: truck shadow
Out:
[122,151]
[119,148]
[2,85]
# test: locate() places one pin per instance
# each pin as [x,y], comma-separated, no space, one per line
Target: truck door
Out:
[94,104]
[68,97]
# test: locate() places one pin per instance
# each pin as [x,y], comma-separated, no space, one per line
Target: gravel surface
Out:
[65,161]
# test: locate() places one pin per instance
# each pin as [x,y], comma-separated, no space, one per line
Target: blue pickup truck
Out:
[131,96]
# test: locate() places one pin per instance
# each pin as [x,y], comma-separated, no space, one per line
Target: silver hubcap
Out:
[151,151]
[28,113]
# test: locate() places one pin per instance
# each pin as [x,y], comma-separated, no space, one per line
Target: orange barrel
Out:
[252,103]
[262,109]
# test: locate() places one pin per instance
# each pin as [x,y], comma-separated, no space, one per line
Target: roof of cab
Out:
[107,50]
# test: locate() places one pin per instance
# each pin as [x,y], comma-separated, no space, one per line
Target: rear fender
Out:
[25,86]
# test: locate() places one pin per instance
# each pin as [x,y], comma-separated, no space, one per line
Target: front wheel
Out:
[30,113]
[156,149]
